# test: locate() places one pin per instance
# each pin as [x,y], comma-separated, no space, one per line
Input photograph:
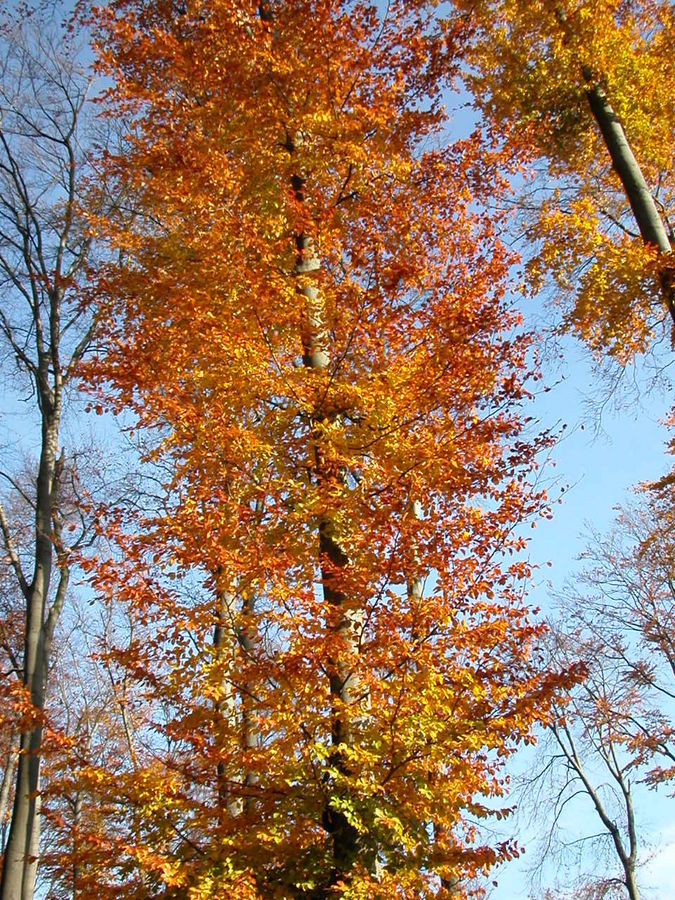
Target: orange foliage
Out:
[306,315]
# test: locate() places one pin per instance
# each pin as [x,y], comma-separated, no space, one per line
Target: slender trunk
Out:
[647,217]
[631,883]
[7,783]
[20,862]
[628,856]
[347,846]
[77,865]
[628,860]
[48,257]
[21,856]
[246,635]
[652,228]
[342,615]
[234,634]
[332,560]
[224,646]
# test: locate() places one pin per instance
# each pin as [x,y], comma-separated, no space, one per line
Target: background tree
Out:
[588,759]
[617,732]
[585,90]
[44,330]
[94,722]
[309,318]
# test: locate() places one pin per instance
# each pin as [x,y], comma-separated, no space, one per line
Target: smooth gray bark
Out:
[652,228]
[21,855]
[7,784]
[639,196]
[647,217]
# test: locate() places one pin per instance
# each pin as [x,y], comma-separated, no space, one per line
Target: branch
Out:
[14,662]
[12,554]
[59,600]
[17,487]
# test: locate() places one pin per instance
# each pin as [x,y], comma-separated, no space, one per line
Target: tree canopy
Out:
[307,311]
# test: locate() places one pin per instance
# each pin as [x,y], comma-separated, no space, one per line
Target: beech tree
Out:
[585,89]
[44,333]
[617,732]
[590,763]
[306,315]
[93,722]
[629,603]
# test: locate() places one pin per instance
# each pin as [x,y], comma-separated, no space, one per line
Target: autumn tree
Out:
[584,90]
[617,733]
[306,318]
[44,332]
[629,601]
[588,762]
[93,722]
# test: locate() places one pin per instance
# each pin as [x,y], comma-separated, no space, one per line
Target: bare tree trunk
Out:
[627,854]
[21,856]
[652,228]
[42,252]
[7,784]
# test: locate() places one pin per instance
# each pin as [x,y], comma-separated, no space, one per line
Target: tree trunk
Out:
[77,864]
[20,866]
[342,616]
[627,855]
[233,634]
[42,254]
[246,637]
[21,856]
[639,196]
[7,783]
[631,883]
[224,647]
[647,217]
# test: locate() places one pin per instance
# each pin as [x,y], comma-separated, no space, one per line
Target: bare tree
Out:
[618,730]
[592,741]
[45,331]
